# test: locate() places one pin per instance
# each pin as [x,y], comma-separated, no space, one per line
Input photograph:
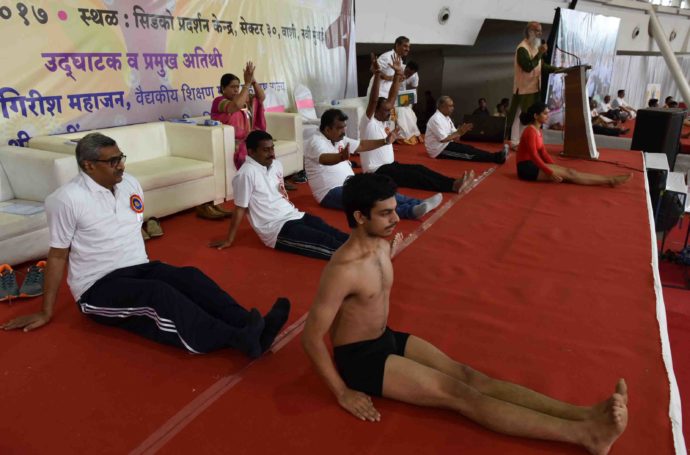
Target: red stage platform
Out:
[551,286]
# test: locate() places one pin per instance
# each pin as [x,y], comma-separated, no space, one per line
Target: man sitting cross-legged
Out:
[259,190]
[352,306]
[94,222]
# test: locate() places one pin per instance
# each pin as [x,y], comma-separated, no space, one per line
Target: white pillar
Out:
[671,60]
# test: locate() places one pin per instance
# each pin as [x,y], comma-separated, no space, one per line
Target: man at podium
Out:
[527,78]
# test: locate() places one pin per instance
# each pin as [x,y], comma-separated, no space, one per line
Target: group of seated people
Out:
[669,103]
[607,116]
[95,221]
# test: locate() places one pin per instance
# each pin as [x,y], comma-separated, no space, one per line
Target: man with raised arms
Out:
[352,306]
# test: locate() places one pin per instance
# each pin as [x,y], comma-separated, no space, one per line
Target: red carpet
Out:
[546,285]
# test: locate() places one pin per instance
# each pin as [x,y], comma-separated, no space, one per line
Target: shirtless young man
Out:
[370,359]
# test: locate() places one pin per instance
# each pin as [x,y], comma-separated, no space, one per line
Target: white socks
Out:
[427,205]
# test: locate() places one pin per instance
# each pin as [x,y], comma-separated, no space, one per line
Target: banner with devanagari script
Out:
[85,64]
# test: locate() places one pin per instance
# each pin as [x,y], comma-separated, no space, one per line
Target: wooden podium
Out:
[579,137]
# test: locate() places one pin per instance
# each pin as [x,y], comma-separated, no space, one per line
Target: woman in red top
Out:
[534,163]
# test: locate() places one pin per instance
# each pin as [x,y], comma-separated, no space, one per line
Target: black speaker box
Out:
[658,130]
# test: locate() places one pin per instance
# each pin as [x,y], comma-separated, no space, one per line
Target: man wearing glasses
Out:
[95,221]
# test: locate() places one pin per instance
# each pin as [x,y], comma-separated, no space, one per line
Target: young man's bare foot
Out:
[466,180]
[620,179]
[603,430]
[604,406]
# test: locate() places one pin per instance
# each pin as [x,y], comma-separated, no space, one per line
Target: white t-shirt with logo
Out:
[438,127]
[262,191]
[371,128]
[323,178]
[101,228]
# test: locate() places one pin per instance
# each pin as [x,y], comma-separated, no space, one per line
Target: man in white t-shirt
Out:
[604,108]
[605,105]
[326,161]
[95,221]
[625,109]
[401,49]
[374,126]
[259,191]
[441,139]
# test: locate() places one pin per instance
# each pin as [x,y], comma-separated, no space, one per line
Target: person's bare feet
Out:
[620,179]
[395,243]
[463,182]
[603,429]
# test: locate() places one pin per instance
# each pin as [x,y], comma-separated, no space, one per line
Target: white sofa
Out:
[27,177]
[286,129]
[178,165]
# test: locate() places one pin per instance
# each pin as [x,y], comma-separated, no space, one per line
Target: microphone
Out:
[579,63]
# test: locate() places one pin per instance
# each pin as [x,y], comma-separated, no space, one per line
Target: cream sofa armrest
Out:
[203,143]
[285,126]
[34,174]
[228,151]
[6,192]
[194,142]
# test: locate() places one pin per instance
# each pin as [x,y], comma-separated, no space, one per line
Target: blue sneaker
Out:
[9,289]
[33,283]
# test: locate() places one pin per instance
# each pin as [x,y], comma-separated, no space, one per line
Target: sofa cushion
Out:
[34,174]
[283,148]
[13,225]
[168,171]
[142,142]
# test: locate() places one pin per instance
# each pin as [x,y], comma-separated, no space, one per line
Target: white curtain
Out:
[632,73]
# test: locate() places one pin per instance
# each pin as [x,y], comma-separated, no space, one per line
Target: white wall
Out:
[382,21]
[632,18]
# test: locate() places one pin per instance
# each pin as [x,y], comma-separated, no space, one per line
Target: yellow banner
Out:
[80,65]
